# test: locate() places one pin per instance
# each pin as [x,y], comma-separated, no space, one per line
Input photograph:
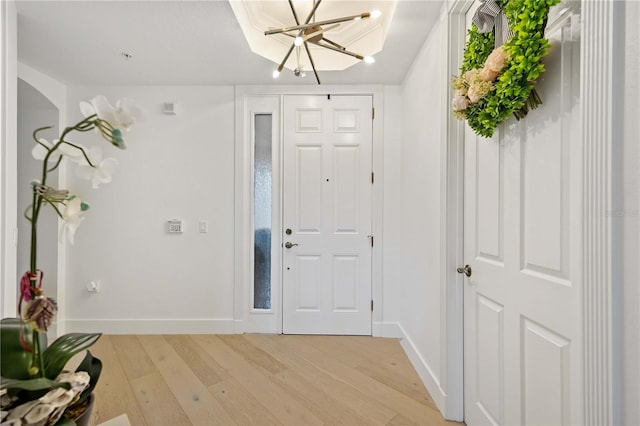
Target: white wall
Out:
[175,167]
[630,218]
[412,213]
[8,129]
[392,214]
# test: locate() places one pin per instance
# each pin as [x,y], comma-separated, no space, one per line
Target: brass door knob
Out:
[466,270]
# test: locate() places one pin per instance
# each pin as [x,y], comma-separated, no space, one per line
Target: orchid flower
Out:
[72,216]
[40,312]
[100,172]
[111,121]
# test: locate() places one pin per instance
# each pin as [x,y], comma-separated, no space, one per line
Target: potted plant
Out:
[36,390]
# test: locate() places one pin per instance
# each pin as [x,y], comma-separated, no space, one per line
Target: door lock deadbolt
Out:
[288,231]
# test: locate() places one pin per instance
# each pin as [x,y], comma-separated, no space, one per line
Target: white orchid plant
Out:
[35,389]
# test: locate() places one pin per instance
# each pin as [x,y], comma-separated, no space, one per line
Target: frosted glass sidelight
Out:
[262,172]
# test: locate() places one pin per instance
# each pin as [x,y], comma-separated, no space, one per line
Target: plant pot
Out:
[85,417]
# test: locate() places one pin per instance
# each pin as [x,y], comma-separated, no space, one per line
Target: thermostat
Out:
[174,226]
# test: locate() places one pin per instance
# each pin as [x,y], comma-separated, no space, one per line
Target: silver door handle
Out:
[466,270]
[289,245]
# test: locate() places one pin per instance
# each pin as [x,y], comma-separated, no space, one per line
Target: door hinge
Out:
[373,113]
[371,238]
[372,179]
[371,305]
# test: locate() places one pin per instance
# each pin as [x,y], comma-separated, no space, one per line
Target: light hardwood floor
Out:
[259,379]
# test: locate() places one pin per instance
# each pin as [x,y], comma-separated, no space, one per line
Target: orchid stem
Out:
[56,165]
[55,208]
[35,212]
[86,157]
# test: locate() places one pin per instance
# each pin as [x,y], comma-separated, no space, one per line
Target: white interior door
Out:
[327,215]
[522,341]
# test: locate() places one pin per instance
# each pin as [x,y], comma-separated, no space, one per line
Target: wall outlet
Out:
[203,226]
[93,287]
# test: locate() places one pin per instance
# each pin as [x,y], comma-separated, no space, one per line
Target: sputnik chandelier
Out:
[314,33]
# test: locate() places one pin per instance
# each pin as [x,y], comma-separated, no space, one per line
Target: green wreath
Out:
[495,83]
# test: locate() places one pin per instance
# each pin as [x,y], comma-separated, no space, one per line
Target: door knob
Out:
[289,245]
[466,270]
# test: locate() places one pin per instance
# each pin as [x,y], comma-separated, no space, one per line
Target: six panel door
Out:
[521,325]
[327,215]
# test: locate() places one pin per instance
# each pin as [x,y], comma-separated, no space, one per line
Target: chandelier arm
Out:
[281,66]
[334,43]
[293,10]
[331,45]
[316,3]
[335,49]
[313,65]
[314,24]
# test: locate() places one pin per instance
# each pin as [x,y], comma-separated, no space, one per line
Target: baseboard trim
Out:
[387,329]
[238,326]
[151,326]
[430,381]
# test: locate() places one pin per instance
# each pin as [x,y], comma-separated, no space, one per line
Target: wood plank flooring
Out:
[259,380]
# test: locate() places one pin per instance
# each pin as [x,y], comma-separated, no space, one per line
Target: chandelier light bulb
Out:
[375,14]
[369,59]
[276,73]
[298,41]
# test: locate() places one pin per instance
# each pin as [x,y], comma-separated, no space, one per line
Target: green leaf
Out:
[16,360]
[93,366]
[65,422]
[32,384]
[63,348]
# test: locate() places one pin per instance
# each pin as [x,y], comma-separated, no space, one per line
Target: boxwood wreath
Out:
[495,83]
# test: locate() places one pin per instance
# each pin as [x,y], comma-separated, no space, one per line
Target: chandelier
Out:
[315,33]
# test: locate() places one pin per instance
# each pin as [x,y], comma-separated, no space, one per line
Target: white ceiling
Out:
[185,43]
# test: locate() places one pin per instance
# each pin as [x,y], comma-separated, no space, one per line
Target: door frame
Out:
[600,126]
[246,319]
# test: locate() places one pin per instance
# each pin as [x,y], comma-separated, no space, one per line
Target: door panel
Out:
[545,375]
[345,283]
[308,188]
[327,206]
[521,303]
[346,176]
[489,187]
[490,357]
[309,283]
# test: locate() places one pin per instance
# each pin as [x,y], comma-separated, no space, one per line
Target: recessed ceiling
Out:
[186,43]
[361,36]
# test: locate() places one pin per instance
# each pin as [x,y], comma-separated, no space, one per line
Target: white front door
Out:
[522,347]
[327,215]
